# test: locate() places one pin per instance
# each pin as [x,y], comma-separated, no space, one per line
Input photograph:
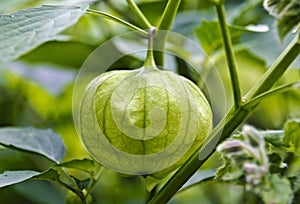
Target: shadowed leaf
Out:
[44,142]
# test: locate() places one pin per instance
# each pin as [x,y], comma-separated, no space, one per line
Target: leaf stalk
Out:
[118,20]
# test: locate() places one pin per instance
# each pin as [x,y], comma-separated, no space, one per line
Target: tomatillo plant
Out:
[153,126]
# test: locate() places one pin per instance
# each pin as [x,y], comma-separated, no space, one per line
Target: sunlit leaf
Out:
[59,176]
[291,137]
[86,165]
[44,142]
[12,177]
[26,29]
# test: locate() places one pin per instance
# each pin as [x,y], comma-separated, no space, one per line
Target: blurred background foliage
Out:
[36,90]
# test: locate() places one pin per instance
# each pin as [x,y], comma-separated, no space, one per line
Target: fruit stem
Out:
[150,62]
[165,23]
[118,20]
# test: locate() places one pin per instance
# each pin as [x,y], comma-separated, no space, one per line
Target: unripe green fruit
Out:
[144,121]
[153,120]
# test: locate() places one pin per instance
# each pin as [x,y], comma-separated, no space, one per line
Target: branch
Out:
[139,14]
[229,54]
[276,70]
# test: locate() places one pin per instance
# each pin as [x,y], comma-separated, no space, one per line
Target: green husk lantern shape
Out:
[143,121]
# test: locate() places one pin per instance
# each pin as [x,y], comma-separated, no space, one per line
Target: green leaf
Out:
[286,12]
[274,137]
[50,175]
[26,29]
[82,184]
[229,171]
[296,182]
[85,165]
[199,177]
[12,177]
[43,142]
[291,137]
[58,175]
[279,192]
[210,35]
[72,198]
[37,191]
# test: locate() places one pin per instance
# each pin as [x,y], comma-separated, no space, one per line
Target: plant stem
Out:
[118,20]
[139,14]
[150,62]
[229,54]
[276,70]
[169,15]
[165,23]
[71,185]
[94,180]
[278,90]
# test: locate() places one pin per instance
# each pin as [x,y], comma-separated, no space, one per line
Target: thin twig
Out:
[118,20]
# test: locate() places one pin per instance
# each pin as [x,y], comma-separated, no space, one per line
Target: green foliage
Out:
[279,191]
[25,30]
[246,157]
[258,159]
[37,191]
[12,177]
[287,13]
[74,199]
[49,44]
[291,138]
[44,142]
[210,36]
[85,165]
